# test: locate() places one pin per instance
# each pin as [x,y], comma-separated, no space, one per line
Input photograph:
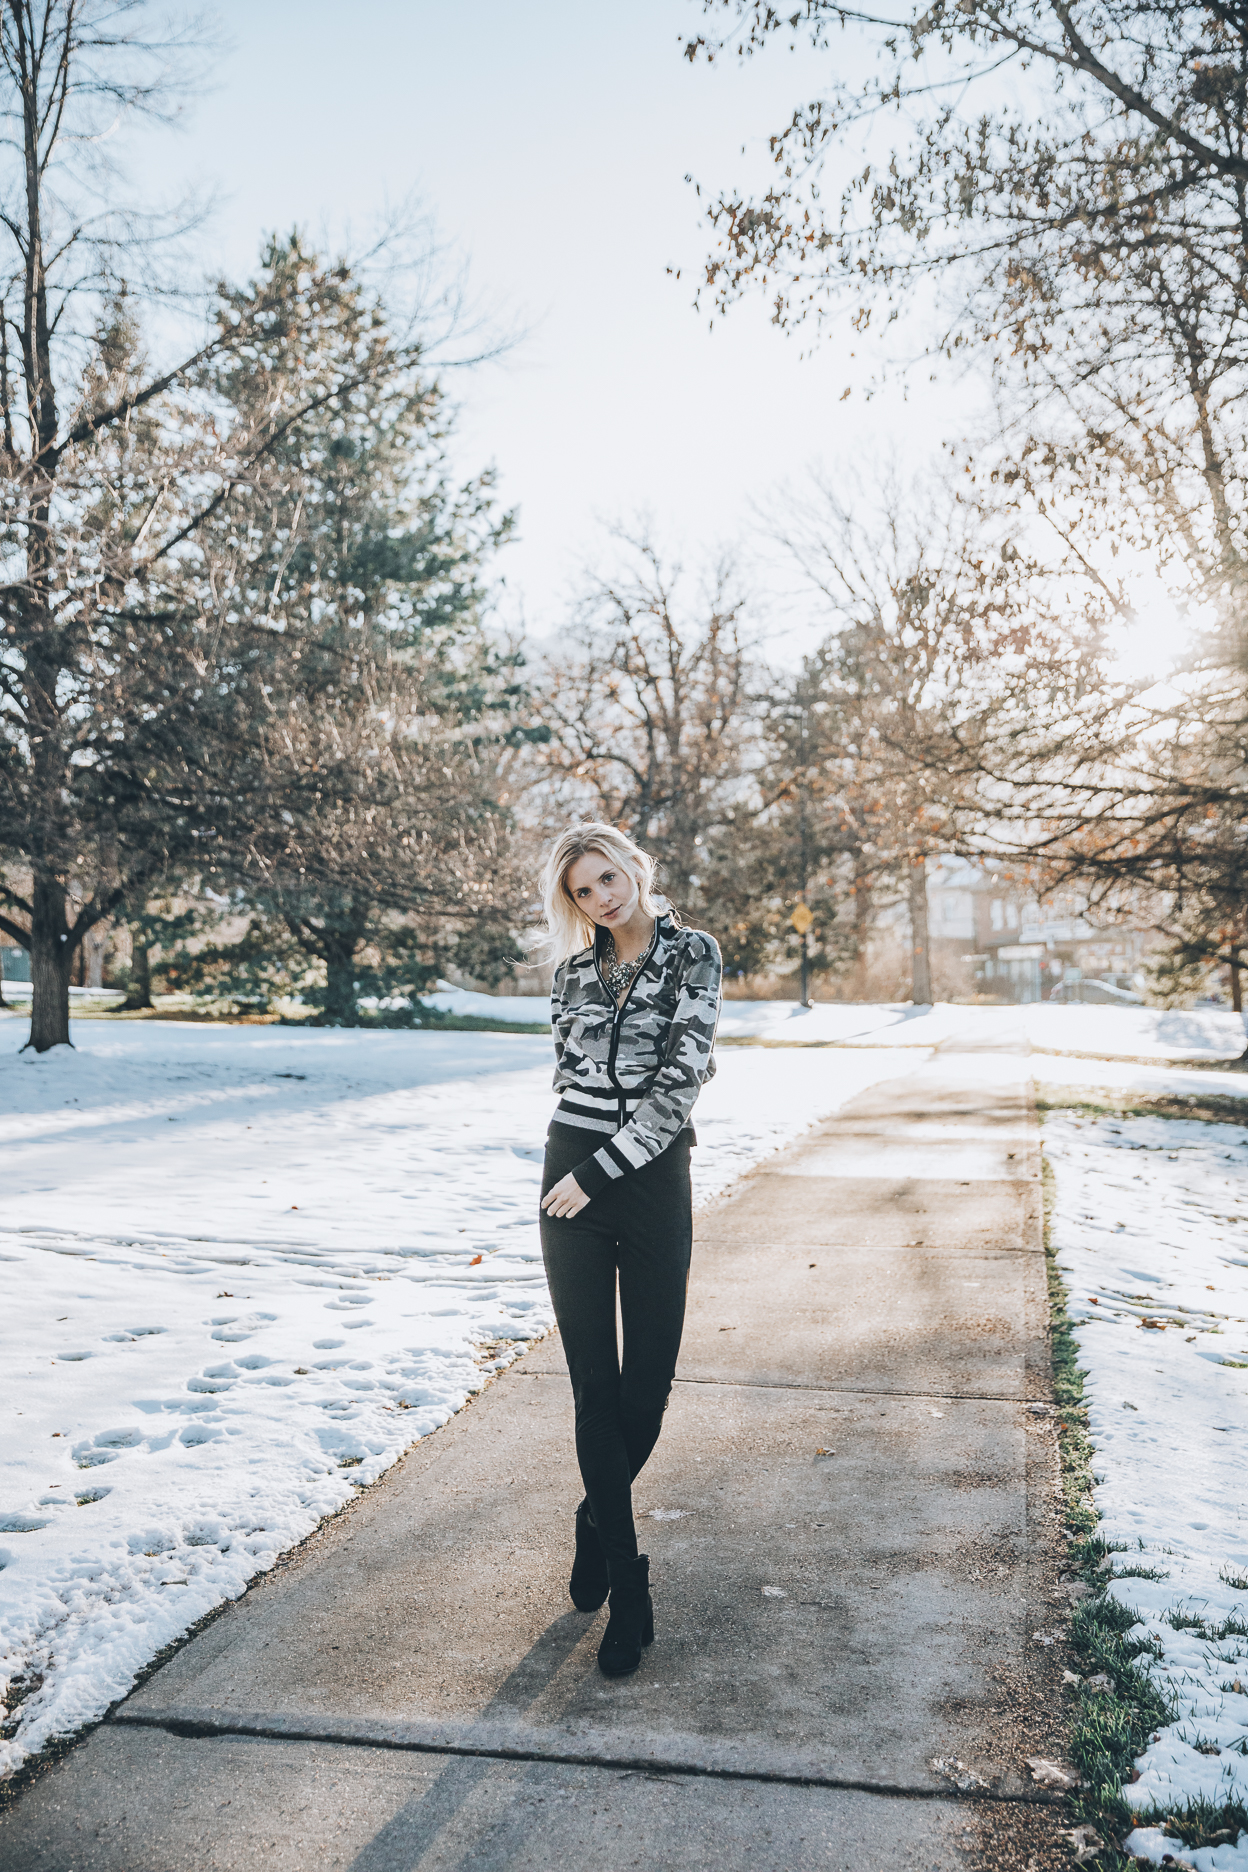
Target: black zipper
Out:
[618,1018]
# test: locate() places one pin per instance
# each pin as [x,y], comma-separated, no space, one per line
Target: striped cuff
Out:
[605,1166]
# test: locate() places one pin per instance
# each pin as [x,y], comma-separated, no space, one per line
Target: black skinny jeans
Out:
[642,1228]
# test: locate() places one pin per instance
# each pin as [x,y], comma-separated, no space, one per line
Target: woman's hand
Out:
[565,1198]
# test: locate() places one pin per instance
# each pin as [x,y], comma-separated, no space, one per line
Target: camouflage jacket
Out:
[631,1074]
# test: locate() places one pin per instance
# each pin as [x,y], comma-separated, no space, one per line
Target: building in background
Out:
[14,963]
[91,961]
[991,937]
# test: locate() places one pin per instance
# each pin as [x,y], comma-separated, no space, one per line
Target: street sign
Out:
[802,918]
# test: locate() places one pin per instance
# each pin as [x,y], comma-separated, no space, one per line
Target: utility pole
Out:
[801,920]
[802,916]
[921,946]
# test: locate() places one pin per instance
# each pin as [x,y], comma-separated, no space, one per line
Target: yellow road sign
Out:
[802,918]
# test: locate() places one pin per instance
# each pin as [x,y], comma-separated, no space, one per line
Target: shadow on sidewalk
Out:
[405,1839]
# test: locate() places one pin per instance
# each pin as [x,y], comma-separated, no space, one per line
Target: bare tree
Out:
[939,634]
[71,393]
[1118,151]
[650,713]
[1091,227]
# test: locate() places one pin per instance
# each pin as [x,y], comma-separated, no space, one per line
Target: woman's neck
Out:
[632,937]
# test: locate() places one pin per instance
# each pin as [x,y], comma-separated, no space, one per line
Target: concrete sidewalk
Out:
[850,1518]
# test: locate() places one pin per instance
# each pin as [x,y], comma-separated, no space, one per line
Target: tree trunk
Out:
[94,944]
[51,962]
[139,994]
[340,1009]
[864,907]
[921,960]
[1237,988]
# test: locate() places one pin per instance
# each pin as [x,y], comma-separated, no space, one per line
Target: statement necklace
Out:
[617,975]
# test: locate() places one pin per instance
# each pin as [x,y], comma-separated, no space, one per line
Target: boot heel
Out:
[631,1624]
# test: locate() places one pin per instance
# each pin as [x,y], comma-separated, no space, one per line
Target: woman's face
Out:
[602,890]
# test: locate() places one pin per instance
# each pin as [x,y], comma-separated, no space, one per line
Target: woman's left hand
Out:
[565,1198]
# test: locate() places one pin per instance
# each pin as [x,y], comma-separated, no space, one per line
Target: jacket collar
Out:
[664,929]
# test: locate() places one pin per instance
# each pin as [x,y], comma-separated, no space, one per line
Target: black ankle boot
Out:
[631,1624]
[589,1584]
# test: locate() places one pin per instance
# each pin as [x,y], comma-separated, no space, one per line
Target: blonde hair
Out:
[568,928]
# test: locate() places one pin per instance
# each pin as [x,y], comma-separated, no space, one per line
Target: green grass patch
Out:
[1212,1107]
[1072,1418]
[1201,1822]
[208,1012]
[1110,1728]
[1208,1631]
[430,1020]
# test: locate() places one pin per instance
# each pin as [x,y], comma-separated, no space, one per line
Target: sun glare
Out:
[1155,638]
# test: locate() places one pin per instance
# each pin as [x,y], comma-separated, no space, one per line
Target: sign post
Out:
[801,919]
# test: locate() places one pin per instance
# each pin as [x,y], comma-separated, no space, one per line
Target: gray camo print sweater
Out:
[629,1075]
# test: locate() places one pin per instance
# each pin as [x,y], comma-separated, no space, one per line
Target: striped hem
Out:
[577,1121]
[586,1109]
[590,1110]
[590,1096]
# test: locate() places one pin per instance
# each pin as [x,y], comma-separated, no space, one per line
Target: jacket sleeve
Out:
[687,1063]
[557,986]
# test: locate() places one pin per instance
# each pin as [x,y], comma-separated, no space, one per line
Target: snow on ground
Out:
[1129,1033]
[766,1020]
[1151,1233]
[18,992]
[244,1268]
[1107,1032]
[1146,1033]
[1119,1076]
[1123,1033]
[524,1010]
[826,1021]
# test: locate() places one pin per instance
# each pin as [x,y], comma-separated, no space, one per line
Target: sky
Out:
[549,143]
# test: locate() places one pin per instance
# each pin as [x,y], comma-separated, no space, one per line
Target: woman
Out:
[633,1011]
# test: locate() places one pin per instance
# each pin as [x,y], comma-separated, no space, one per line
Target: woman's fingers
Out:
[564,1206]
[565,1198]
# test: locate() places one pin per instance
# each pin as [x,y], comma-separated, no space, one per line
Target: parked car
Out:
[1096,993]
